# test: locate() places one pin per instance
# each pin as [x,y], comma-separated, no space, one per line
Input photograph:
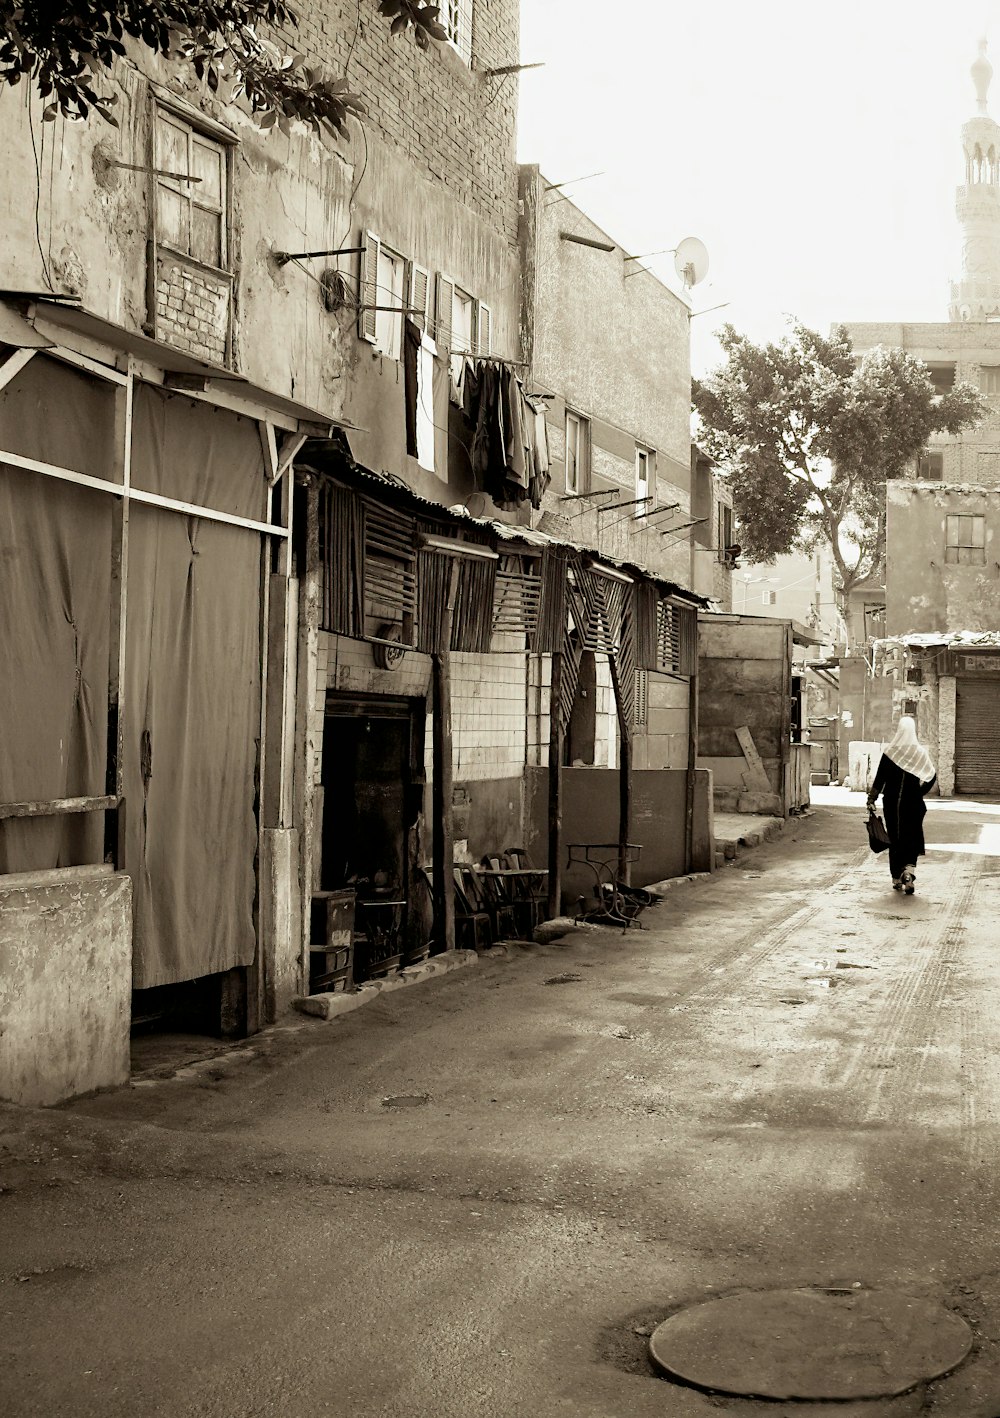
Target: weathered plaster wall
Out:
[663,741]
[618,351]
[285,966]
[65,983]
[923,591]
[590,814]
[434,174]
[744,666]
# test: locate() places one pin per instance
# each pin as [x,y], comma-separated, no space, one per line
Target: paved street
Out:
[477,1197]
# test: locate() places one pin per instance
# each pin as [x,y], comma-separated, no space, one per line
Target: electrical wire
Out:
[38,194]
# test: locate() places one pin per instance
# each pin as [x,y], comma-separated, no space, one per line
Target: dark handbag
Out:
[878,837]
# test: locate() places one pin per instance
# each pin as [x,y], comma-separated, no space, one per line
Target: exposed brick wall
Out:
[452,122]
[192,309]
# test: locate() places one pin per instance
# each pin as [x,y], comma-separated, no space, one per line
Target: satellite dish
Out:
[691,261]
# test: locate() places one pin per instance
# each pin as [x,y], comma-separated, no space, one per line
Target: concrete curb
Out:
[332,1005]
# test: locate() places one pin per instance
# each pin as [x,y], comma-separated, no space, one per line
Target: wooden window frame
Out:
[187,191]
[582,482]
[962,538]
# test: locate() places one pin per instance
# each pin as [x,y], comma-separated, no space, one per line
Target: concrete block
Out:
[750,839]
[729,851]
[65,985]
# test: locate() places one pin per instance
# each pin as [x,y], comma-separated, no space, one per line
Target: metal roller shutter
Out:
[977,743]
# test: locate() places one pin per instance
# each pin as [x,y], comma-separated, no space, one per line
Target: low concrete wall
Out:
[590,814]
[65,983]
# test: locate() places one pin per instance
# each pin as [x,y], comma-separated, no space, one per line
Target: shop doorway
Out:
[372,802]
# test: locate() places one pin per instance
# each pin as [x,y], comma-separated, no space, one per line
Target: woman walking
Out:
[904,777]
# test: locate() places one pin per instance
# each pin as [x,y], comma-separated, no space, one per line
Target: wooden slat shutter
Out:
[444,300]
[368,287]
[484,329]
[517,597]
[420,290]
[390,572]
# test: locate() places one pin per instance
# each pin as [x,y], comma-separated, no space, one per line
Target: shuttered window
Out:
[676,639]
[965,540]
[420,291]
[517,597]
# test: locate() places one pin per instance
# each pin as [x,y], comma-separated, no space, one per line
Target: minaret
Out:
[977,295]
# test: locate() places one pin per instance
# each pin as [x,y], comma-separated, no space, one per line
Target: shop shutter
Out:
[977,747]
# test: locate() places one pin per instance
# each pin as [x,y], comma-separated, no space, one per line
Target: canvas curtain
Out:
[55,599]
[192,691]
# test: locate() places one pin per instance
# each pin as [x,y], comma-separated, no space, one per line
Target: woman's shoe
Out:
[897,885]
[908,882]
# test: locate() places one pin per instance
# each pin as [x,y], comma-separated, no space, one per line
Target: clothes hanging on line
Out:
[509,454]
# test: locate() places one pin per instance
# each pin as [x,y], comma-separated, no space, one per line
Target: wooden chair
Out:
[471,919]
[497,898]
[532,890]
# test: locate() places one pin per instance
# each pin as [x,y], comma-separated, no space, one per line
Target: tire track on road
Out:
[908,1011]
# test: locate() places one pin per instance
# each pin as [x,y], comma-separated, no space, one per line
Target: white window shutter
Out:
[368,288]
[420,289]
[445,296]
[484,329]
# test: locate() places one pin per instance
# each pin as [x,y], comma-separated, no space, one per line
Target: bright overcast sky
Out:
[815,150]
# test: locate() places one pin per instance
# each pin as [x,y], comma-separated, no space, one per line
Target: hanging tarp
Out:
[192,692]
[55,599]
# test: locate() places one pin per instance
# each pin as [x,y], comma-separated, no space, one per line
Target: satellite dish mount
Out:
[691,261]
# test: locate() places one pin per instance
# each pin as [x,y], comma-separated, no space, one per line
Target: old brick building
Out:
[257,380]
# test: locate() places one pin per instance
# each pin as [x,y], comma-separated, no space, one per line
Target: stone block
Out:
[65,984]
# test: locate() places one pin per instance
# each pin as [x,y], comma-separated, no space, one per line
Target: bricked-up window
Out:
[577,452]
[191,206]
[456,16]
[965,540]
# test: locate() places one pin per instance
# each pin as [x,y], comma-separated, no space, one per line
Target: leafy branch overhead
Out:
[66,49]
[808,433]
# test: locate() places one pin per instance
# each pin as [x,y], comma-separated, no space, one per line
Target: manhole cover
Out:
[811,1344]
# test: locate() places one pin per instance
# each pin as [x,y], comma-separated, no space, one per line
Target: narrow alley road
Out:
[478,1197]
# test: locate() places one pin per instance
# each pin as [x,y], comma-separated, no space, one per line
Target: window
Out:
[191,201]
[388,283]
[644,458]
[724,532]
[769,598]
[874,616]
[463,330]
[965,541]
[942,376]
[463,325]
[989,378]
[577,453]
[930,467]
[456,16]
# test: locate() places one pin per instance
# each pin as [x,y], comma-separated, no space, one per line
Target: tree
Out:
[65,47]
[809,434]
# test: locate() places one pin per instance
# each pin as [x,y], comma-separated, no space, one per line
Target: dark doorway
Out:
[372,799]
[366,770]
[581,736]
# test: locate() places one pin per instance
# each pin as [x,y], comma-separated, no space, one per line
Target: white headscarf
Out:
[908,753]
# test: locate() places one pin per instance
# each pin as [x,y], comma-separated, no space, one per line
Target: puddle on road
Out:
[566,978]
[407,1100]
